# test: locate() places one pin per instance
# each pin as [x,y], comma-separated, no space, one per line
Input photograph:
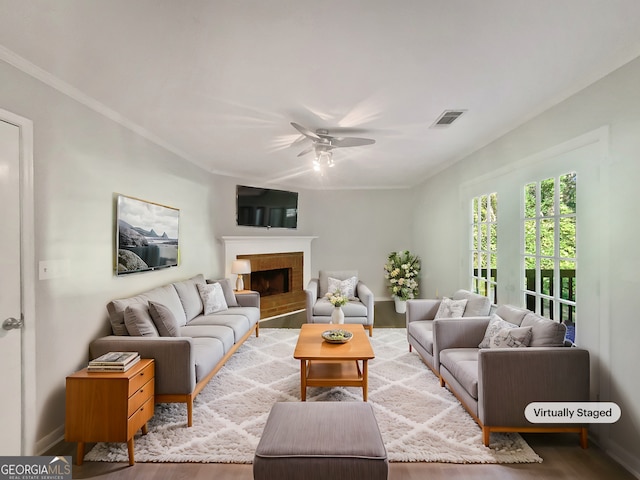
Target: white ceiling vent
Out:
[447,118]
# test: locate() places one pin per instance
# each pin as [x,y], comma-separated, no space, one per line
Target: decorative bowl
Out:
[337,336]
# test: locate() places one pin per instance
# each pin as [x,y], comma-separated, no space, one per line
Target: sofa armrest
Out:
[250,299]
[311,291]
[366,296]
[511,378]
[421,309]
[174,359]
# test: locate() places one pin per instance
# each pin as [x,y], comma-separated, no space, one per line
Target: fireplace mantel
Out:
[250,245]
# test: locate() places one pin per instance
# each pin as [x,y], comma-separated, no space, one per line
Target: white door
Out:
[10,291]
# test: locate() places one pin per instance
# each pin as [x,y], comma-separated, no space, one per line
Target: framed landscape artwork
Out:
[146,236]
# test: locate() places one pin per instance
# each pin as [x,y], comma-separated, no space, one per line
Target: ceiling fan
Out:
[323,144]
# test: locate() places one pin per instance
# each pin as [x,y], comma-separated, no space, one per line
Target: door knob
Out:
[11,323]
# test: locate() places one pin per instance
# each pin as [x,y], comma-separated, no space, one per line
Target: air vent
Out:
[447,118]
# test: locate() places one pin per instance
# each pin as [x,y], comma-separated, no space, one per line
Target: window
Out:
[549,250]
[484,245]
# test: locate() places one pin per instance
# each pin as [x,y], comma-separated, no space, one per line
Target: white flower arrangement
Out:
[402,270]
[337,298]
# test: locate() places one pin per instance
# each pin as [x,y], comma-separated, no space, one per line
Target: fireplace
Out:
[279,279]
[296,256]
[271,282]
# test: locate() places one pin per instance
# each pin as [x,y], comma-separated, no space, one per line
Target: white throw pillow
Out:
[347,287]
[495,325]
[511,338]
[451,308]
[212,298]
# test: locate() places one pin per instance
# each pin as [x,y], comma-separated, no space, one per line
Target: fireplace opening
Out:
[271,282]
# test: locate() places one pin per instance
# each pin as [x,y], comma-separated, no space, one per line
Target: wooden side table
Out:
[109,407]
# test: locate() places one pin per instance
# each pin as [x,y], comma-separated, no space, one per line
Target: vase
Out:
[337,316]
[401,305]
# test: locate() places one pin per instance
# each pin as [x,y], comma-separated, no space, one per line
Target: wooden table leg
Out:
[130,449]
[80,453]
[303,380]
[365,380]
[145,430]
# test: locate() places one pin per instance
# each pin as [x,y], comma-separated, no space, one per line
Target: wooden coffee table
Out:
[325,364]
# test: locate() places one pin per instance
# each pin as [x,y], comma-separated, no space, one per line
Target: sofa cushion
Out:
[238,323]
[164,320]
[477,305]
[354,308]
[463,365]
[495,325]
[323,278]
[227,289]
[190,296]
[252,313]
[422,331]
[221,332]
[450,308]
[511,314]
[165,295]
[207,353]
[544,332]
[212,298]
[346,287]
[511,338]
[138,321]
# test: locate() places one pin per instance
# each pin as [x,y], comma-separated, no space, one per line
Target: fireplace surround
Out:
[290,253]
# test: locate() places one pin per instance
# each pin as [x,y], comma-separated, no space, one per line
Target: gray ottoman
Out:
[319,441]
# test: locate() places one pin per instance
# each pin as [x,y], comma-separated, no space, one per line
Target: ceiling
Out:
[220,81]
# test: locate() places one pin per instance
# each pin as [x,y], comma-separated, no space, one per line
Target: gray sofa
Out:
[496,383]
[420,316]
[194,347]
[360,308]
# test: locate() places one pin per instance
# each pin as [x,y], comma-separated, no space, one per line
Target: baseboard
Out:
[47,442]
[623,456]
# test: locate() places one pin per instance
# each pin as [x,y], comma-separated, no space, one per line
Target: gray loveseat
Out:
[199,344]
[420,317]
[496,383]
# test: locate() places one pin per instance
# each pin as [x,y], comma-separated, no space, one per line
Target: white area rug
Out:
[419,420]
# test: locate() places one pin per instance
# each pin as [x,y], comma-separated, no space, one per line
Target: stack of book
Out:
[114,362]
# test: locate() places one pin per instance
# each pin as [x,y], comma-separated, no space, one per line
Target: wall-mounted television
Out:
[266,207]
[146,236]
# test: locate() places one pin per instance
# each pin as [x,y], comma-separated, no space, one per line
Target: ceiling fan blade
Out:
[305,151]
[305,131]
[351,142]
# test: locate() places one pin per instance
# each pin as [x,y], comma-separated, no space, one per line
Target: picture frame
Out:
[147,236]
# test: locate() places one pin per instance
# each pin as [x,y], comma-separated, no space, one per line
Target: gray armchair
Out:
[358,310]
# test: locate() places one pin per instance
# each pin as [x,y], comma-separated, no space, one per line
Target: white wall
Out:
[608,278]
[81,160]
[356,229]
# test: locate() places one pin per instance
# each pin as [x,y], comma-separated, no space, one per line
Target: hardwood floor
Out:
[562,455]
[563,459]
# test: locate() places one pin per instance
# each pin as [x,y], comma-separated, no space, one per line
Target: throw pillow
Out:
[138,321]
[347,287]
[511,338]
[164,319]
[495,325]
[227,289]
[451,308]
[212,298]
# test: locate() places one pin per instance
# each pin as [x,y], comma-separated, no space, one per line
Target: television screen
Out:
[146,236]
[266,207]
